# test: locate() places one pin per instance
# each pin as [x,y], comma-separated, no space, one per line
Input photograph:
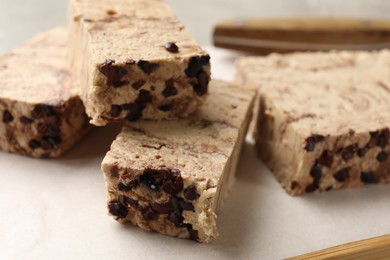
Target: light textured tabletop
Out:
[55,209]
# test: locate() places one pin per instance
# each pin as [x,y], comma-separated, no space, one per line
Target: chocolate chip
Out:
[204,60]
[126,201]
[342,175]
[316,172]
[144,97]
[149,214]
[349,151]
[114,73]
[199,89]
[127,187]
[178,205]
[53,139]
[362,151]
[193,234]
[165,208]
[147,66]
[176,219]
[105,67]
[87,20]
[7,116]
[153,179]
[117,209]
[326,158]
[312,141]
[170,188]
[174,184]
[116,110]
[171,47]
[165,107]
[34,144]
[120,83]
[50,142]
[379,138]
[382,156]
[368,177]
[203,80]
[312,187]
[135,111]
[190,193]
[175,205]
[25,120]
[138,84]
[42,111]
[383,138]
[53,131]
[132,203]
[186,205]
[373,140]
[194,67]
[169,89]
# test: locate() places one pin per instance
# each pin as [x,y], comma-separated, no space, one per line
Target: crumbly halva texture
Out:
[135,60]
[172,176]
[41,114]
[323,119]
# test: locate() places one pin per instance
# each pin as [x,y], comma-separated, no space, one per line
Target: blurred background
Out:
[21,19]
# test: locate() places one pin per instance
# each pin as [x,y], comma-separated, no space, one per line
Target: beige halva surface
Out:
[125,67]
[323,119]
[40,111]
[172,176]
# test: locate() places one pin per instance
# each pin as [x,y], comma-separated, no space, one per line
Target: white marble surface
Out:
[55,209]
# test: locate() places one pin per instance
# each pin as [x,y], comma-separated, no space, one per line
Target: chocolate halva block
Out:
[324,118]
[41,114]
[172,177]
[135,60]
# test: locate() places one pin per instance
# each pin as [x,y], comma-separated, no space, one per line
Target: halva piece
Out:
[135,60]
[171,177]
[41,114]
[324,118]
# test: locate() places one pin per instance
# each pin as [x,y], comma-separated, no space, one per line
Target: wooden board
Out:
[373,248]
[301,34]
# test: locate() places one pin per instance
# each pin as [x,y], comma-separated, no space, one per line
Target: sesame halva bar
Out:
[324,118]
[41,114]
[135,60]
[172,176]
